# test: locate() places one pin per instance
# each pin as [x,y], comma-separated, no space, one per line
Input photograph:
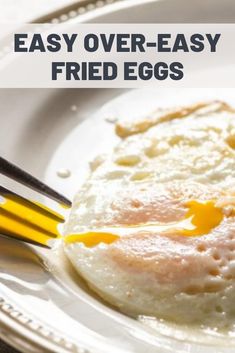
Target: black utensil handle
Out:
[12,171]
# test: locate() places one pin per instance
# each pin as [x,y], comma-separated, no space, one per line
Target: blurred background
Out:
[26,10]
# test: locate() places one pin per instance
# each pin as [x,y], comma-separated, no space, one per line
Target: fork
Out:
[24,219]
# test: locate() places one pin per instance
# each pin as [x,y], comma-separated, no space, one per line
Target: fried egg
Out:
[152,230]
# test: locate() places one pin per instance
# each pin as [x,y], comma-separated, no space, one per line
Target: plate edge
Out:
[74,10]
[16,326]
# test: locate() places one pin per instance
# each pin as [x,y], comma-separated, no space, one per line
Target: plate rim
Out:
[12,322]
[83,7]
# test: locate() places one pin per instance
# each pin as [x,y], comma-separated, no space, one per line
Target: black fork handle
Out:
[12,171]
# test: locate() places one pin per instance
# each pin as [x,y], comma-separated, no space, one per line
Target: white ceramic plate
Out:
[44,306]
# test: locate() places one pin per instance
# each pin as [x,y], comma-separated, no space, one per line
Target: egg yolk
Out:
[200,219]
[203,217]
[31,221]
[91,239]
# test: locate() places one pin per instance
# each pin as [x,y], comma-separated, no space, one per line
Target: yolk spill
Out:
[91,239]
[200,219]
[21,218]
[203,217]
[34,222]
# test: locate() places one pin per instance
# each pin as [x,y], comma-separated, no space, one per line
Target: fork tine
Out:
[4,192]
[10,216]
[24,220]
[19,230]
[12,171]
[23,239]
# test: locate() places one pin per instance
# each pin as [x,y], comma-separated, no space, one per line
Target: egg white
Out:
[199,148]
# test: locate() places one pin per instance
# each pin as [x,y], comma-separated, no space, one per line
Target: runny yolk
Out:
[91,239]
[200,219]
[203,217]
[31,221]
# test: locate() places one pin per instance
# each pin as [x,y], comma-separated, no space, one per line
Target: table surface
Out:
[26,10]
